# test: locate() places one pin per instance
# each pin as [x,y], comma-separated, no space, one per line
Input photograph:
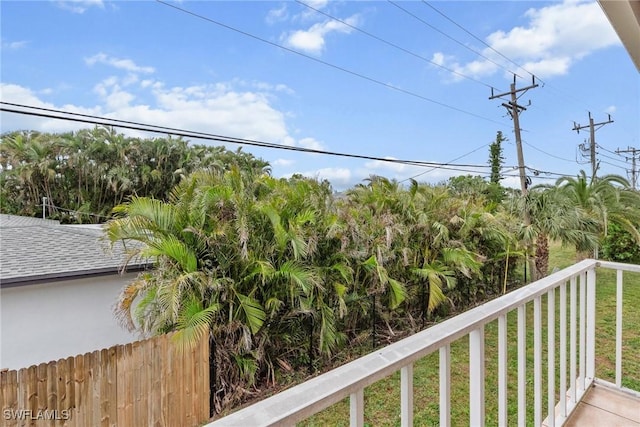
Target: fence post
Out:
[212,374]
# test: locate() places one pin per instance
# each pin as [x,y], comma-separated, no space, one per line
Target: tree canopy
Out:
[85,174]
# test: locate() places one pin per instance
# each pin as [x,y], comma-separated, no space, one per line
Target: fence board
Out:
[164,396]
[8,385]
[77,415]
[51,384]
[147,383]
[155,405]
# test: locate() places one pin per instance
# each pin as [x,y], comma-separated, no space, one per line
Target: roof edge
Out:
[13,282]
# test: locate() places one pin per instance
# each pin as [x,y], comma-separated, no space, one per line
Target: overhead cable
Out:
[549,154]
[328,64]
[450,162]
[380,39]
[453,39]
[104,121]
[474,36]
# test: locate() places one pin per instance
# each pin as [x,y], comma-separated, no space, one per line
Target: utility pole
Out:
[514,109]
[633,151]
[592,142]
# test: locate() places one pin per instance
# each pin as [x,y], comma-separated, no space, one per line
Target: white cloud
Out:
[122,64]
[557,66]
[14,45]
[511,182]
[379,165]
[311,143]
[339,177]
[277,15]
[215,108]
[317,4]
[79,6]
[610,109]
[554,38]
[264,86]
[21,95]
[403,171]
[313,39]
[282,162]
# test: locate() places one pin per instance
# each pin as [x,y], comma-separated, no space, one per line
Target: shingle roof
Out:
[33,249]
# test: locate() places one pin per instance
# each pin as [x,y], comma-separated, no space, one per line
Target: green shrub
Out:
[619,245]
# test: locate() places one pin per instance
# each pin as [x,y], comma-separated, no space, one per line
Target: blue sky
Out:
[425,98]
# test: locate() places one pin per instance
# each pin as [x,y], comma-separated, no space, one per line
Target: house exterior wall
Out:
[44,322]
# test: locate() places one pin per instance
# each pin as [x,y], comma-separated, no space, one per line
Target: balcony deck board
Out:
[606,407]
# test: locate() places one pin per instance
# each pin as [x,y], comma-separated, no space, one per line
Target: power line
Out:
[475,37]
[328,64]
[548,154]
[612,158]
[452,38]
[451,161]
[563,93]
[537,172]
[392,44]
[103,121]
[609,151]
[614,165]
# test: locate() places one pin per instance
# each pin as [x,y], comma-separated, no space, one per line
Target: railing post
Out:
[537,361]
[502,370]
[563,350]
[476,377]
[573,298]
[445,385]
[406,396]
[582,330]
[619,328]
[356,406]
[591,325]
[551,357]
[522,365]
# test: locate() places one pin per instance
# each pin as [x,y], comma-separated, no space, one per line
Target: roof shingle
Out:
[33,249]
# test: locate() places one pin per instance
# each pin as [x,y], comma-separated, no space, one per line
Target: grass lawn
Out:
[382,399]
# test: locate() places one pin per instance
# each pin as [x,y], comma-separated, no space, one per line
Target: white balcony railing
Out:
[575,287]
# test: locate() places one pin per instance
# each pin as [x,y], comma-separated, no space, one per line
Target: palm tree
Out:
[609,199]
[553,216]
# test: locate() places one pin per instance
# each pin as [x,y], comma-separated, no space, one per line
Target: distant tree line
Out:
[89,172]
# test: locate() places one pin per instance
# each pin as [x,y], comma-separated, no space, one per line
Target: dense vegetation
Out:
[85,174]
[285,274]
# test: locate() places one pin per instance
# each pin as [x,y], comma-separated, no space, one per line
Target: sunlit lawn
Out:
[382,400]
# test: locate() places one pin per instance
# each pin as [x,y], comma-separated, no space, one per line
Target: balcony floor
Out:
[605,407]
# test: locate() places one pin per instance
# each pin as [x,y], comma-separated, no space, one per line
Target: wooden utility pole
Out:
[592,142]
[514,109]
[634,152]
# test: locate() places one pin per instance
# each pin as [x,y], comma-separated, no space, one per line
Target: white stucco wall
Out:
[45,322]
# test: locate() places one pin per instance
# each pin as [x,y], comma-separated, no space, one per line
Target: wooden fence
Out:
[145,383]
